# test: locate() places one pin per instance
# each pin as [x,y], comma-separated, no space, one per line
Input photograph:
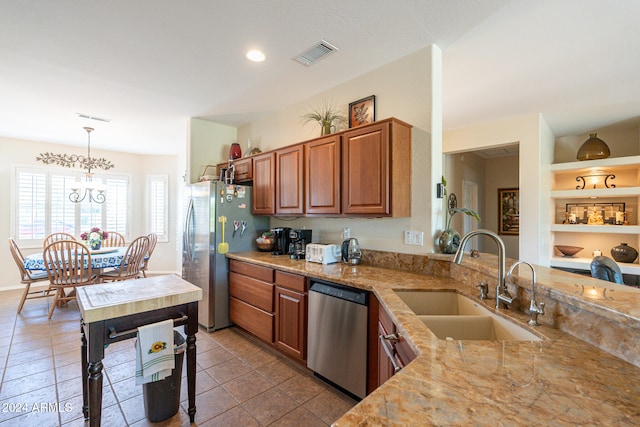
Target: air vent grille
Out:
[90,117]
[315,53]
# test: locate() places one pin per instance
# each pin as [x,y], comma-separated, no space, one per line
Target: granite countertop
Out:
[560,380]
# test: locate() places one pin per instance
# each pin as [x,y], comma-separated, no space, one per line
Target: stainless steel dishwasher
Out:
[337,339]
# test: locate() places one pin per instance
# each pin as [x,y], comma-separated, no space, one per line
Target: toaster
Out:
[323,254]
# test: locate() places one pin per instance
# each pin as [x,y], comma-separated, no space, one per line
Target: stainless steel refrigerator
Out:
[202,263]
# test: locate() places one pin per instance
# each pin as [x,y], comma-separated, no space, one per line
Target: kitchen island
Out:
[560,380]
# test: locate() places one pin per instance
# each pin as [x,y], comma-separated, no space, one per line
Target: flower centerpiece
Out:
[449,240]
[94,237]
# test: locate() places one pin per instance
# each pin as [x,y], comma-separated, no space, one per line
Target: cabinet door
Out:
[290,180]
[322,176]
[365,170]
[264,188]
[244,170]
[290,322]
[385,367]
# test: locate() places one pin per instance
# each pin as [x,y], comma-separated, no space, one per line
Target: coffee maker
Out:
[281,240]
[298,240]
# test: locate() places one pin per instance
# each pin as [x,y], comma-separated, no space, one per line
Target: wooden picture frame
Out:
[362,111]
[509,211]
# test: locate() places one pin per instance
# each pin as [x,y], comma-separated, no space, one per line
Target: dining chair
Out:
[153,239]
[68,264]
[54,237]
[131,263]
[114,239]
[28,277]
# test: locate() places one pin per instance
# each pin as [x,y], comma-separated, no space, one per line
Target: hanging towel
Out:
[154,352]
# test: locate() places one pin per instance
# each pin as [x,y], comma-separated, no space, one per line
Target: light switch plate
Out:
[412,237]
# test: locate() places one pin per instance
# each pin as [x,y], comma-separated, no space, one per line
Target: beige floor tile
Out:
[126,389]
[217,401]
[204,382]
[28,356]
[70,357]
[133,409]
[29,368]
[329,405]
[228,370]
[258,358]
[299,417]
[247,386]
[213,357]
[236,416]
[181,419]
[277,371]
[302,388]
[21,405]
[26,384]
[269,406]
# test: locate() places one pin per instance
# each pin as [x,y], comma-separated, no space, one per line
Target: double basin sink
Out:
[450,315]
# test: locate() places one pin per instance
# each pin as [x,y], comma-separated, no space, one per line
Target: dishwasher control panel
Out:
[354,295]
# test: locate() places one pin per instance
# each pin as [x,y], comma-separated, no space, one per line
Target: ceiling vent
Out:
[315,53]
[90,117]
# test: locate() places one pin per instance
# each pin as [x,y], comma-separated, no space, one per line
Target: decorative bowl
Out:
[265,247]
[567,250]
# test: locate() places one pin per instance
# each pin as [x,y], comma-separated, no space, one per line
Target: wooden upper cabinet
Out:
[376,169]
[322,176]
[244,169]
[264,184]
[290,180]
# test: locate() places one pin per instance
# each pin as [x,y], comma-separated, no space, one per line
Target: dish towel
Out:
[154,352]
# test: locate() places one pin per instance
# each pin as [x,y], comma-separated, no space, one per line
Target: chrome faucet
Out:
[502,295]
[534,308]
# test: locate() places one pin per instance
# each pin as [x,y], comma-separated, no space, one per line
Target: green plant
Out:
[454,211]
[324,112]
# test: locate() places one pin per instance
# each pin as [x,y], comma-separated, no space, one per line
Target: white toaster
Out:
[323,254]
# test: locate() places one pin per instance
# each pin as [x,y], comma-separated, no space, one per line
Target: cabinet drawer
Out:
[252,270]
[291,281]
[244,170]
[254,320]
[252,291]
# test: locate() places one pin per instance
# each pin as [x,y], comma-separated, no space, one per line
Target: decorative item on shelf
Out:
[326,115]
[567,250]
[83,189]
[596,252]
[247,153]
[449,239]
[595,181]
[624,253]
[595,213]
[620,218]
[362,111]
[595,218]
[235,152]
[593,148]
[94,237]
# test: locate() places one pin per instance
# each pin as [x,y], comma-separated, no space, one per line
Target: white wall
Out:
[23,152]
[406,89]
[536,154]
[208,144]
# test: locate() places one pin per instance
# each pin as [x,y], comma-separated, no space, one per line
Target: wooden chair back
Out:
[113,239]
[153,240]
[68,263]
[131,263]
[26,277]
[54,237]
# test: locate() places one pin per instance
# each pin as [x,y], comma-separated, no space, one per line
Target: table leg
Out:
[95,393]
[85,374]
[191,375]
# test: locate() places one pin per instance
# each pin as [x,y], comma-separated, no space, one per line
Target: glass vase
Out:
[449,241]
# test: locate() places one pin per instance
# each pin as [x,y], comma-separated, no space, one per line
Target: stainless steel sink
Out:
[450,315]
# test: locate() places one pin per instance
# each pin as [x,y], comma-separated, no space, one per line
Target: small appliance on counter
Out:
[281,240]
[351,253]
[323,254]
[298,240]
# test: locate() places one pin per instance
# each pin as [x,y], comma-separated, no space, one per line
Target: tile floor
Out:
[240,381]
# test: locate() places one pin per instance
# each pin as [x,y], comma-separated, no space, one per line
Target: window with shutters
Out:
[42,205]
[159,206]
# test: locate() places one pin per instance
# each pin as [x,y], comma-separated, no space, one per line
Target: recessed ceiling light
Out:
[255,56]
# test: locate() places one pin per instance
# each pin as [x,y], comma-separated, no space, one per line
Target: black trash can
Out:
[162,398]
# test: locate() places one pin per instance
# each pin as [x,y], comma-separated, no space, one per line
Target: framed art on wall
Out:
[509,211]
[362,111]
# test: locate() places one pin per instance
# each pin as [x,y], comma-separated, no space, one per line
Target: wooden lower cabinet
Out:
[270,304]
[252,319]
[381,367]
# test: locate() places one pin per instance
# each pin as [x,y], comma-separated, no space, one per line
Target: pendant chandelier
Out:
[84,189]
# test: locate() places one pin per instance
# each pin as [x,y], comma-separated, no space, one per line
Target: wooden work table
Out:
[112,312]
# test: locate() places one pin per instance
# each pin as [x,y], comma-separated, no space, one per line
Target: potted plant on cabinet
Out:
[449,239]
[326,115]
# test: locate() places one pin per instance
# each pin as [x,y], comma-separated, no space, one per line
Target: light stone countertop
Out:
[117,299]
[560,380]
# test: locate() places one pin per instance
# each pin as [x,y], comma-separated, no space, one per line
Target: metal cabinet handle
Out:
[387,350]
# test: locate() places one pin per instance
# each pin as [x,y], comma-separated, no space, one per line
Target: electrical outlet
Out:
[412,237]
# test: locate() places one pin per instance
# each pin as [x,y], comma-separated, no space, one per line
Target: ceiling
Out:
[149,65]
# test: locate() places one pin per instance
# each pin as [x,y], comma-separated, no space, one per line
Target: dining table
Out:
[101,258]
